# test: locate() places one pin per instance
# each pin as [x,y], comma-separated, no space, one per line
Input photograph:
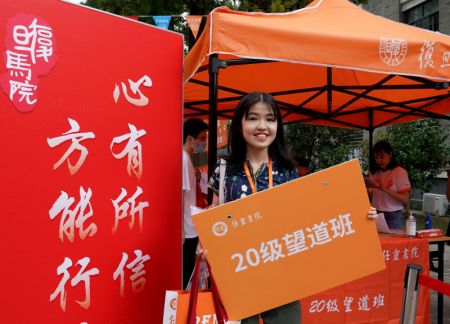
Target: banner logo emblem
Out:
[220,229]
[393,51]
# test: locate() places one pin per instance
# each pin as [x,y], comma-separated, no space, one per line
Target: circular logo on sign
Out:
[219,229]
[393,51]
[173,304]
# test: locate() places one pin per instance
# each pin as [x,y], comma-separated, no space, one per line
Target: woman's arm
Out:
[403,197]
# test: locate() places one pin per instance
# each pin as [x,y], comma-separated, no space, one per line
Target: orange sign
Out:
[291,241]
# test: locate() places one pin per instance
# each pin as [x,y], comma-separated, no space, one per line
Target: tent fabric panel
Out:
[335,33]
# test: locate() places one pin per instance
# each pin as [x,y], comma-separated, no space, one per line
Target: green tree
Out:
[320,145]
[278,5]
[139,7]
[156,7]
[420,147]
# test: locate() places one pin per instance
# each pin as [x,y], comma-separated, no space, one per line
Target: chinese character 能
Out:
[75,218]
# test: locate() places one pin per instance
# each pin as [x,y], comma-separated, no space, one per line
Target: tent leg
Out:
[370,137]
[212,123]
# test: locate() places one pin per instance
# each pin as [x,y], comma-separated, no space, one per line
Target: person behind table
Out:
[256,145]
[194,140]
[390,194]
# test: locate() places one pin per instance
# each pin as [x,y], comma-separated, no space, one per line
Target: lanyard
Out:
[250,180]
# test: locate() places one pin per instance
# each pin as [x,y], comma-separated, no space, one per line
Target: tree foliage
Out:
[176,8]
[320,145]
[278,5]
[139,7]
[421,148]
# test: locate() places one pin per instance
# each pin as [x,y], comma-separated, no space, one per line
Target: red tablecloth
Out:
[376,298]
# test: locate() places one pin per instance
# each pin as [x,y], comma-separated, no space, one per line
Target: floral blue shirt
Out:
[237,185]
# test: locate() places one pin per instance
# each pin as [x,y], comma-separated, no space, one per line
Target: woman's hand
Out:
[203,253]
[372,214]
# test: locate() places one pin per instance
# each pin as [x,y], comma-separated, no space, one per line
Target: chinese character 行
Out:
[80,276]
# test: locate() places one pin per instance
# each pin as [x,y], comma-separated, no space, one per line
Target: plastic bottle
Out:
[428,221]
[411,226]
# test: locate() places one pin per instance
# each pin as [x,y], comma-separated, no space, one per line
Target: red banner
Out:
[91,206]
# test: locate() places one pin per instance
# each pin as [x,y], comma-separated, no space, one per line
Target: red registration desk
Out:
[376,298]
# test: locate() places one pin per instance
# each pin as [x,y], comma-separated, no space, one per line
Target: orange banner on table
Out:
[291,241]
[376,298]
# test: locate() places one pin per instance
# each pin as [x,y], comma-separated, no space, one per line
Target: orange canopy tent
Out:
[330,63]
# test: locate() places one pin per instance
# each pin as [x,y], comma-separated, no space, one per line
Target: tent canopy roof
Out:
[331,63]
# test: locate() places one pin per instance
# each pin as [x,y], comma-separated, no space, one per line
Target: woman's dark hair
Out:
[382,147]
[236,142]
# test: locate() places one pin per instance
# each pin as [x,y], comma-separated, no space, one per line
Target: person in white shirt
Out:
[194,140]
[391,186]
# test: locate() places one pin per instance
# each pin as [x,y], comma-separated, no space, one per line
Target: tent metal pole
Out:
[213,72]
[370,135]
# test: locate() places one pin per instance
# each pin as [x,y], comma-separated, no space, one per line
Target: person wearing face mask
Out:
[194,141]
[390,184]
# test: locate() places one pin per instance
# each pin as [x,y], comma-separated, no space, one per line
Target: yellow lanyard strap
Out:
[250,180]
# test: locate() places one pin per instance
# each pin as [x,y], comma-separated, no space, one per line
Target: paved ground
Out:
[433,297]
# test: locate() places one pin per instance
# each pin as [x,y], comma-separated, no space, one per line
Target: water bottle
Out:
[411,226]
[428,221]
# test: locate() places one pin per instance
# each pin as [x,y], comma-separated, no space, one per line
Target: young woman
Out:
[256,146]
[390,192]
[258,160]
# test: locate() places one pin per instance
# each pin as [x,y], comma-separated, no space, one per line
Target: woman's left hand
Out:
[372,214]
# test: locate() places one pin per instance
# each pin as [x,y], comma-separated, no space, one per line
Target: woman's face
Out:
[383,159]
[259,126]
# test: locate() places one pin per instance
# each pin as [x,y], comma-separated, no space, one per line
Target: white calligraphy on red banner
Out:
[30,54]
[132,149]
[141,100]
[80,276]
[136,266]
[76,137]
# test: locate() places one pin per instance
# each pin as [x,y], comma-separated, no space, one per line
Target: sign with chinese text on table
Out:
[91,143]
[376,298]
[291,241]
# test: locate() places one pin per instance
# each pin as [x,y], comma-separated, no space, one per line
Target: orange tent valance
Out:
[331,63]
